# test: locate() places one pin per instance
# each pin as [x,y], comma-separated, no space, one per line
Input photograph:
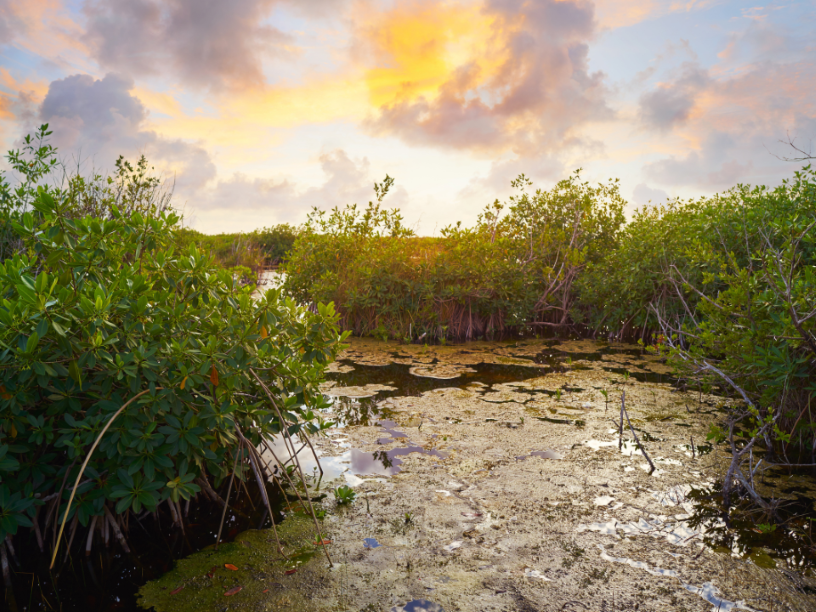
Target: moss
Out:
[261,573]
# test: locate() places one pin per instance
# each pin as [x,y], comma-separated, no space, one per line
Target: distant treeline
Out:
[564,259]
[507,272]
[255,250]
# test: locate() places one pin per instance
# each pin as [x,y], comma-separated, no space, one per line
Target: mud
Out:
[512,493]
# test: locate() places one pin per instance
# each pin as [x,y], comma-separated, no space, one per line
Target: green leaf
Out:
[74,372]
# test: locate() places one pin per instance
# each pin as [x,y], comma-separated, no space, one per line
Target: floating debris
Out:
[547,454]
[535,575]
[419,605]
[678,533]
[440,372]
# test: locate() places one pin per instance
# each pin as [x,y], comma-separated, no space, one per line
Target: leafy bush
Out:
[276,241]
[344,495]
[757,332]
[671,256]
[95,312]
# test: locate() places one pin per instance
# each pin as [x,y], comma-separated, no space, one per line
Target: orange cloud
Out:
[490,71]
[20,97]
[621,13]
[35,88]
[5,107]
[418,45]
[45,28]
[244,121]
[490,76]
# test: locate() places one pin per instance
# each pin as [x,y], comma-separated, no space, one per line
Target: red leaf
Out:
[265,591]
[177,590]
[233,591]
[230,566]
[290,572]
[322,542]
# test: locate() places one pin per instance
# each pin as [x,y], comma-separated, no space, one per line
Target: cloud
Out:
[270,201]
[105,118]
[645,195]
[496,182]
[102,117]
[98,105]
[734,130]
[519,81]
[712,166]
[763,42]
[212,45]
[20,100]
[43,28]
[622,13]
[9,23]
[734,114]
[6,107]
[670,104]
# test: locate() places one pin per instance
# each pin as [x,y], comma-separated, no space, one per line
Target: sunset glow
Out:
[261,109]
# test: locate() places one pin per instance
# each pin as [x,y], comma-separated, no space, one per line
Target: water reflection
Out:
[788,543]
[419,605]
[400,376]
[351,412]
[708,591]
[385,463]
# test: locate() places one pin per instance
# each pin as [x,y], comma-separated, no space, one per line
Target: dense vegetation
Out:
[728,284]
[506,272]
[97,309]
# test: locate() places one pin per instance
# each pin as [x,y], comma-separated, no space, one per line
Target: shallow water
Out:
[788,545]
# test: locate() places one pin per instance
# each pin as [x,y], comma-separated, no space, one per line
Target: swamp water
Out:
[488,477]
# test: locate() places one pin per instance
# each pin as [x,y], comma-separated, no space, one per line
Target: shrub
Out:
[757,333]
[95,312]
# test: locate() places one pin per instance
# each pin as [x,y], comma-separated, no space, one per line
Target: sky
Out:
[259,110]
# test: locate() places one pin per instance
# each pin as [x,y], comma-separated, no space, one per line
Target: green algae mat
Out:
[247,574]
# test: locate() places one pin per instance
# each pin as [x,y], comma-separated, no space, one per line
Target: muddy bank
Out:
[489,478]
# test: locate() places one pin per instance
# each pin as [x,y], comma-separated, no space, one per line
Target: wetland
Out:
[488,476]
[144,385]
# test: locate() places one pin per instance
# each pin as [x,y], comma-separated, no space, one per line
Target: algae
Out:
[200,581]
